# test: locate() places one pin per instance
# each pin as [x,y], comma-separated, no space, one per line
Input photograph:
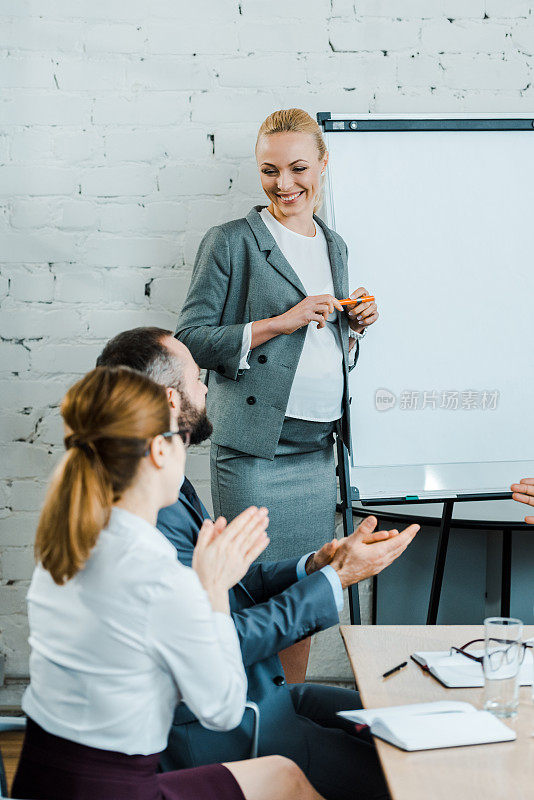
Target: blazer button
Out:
[279,680]
[251,400]
[262,359]
[220,369]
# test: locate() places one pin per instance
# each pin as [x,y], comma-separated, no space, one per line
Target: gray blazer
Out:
[240,275]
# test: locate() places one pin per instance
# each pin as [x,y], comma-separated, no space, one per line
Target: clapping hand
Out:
[523,492]
[224,552]
[322,557]
[366,552]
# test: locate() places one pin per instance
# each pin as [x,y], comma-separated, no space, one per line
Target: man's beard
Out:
[196,419]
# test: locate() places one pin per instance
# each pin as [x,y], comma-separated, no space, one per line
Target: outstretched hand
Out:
[523,492]
[367,552]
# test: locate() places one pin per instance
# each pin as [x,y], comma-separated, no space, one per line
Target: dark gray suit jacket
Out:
[271,610]
[240,275]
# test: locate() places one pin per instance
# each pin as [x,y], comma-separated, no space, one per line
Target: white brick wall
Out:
[128,130]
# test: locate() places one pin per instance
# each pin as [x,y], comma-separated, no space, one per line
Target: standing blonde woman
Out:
[262,316]
[119,629]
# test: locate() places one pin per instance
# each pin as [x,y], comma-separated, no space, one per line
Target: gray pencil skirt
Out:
[298,487]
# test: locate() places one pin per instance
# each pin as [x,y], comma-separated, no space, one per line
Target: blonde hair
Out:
[295,120]
[112,413]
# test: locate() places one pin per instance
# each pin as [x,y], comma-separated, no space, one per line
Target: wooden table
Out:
[502,771]
[10,747]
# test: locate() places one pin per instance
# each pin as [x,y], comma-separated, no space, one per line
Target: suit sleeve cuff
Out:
[301,566]
[245,346]
[333,579]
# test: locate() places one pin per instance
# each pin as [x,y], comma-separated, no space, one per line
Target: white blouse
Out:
[317,391]
[115,648]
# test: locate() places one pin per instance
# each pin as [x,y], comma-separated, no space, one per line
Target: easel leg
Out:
[439,564]
[348,522]
[374,609]
[506,572]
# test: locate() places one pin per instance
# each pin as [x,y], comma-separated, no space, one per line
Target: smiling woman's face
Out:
[290,171]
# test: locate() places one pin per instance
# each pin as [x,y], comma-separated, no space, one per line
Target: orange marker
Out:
[367,299]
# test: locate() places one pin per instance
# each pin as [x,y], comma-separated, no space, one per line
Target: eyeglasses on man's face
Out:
[183,433]
[506,651]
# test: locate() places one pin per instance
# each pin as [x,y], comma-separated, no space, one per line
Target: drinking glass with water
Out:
[503,655]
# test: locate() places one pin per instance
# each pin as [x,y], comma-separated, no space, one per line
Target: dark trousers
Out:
[341,763]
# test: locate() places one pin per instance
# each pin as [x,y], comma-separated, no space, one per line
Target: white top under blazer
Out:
[317,390]
[116,647]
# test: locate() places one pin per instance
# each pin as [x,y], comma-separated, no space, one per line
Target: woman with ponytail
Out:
[120,631]
[263,316]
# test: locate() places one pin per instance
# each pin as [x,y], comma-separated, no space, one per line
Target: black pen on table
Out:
[395,669]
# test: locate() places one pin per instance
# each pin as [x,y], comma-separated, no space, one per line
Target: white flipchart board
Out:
[439,221]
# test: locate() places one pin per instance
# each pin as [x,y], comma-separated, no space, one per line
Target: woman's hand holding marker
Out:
[361,314]
[312,309]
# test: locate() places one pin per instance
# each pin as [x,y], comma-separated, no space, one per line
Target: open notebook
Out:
[458,672]
[427,726]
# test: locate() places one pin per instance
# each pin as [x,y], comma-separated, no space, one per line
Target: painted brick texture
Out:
[128,129]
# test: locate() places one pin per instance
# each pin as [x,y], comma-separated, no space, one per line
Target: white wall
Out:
[127,129]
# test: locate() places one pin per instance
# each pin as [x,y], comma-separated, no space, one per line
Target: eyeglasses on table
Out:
[507,654]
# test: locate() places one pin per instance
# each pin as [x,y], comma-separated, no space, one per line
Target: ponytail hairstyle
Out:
[295,120]
[111,415]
